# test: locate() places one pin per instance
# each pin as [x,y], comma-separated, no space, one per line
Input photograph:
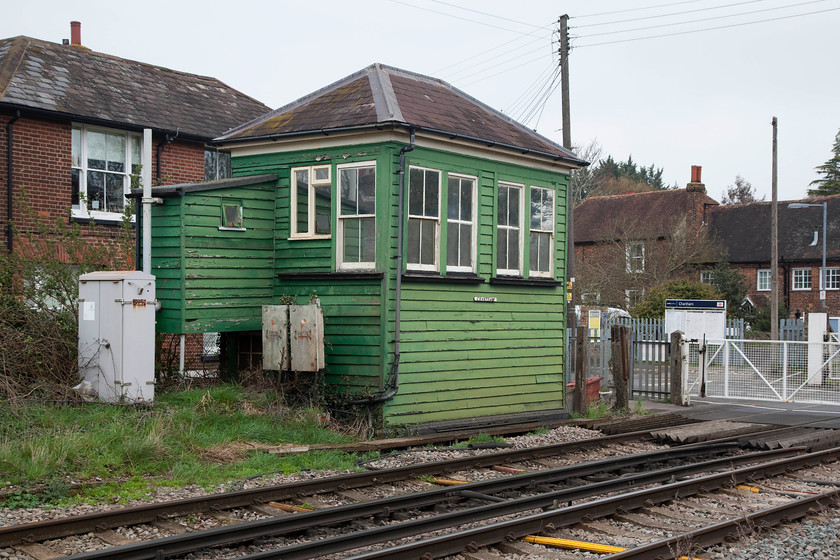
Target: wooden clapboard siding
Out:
[358,346]
[352,328]
[211,279]
[462,358]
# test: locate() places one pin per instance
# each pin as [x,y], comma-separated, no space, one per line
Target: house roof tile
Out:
[383,95]
[82,84]
[601,218]
[743,230]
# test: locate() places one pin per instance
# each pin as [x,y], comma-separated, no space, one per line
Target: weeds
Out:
[169,440]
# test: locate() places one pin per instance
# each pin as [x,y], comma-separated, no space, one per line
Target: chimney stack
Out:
[696,185]
[75,33]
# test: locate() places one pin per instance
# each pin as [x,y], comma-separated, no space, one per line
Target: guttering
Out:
[106,123]
[412,128]
[10,181]
[395,366]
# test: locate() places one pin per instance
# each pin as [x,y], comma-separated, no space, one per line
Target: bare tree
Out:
[584,180]
[637,255]
[741,192]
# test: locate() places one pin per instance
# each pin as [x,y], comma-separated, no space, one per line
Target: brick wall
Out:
[804,301]
[42,170]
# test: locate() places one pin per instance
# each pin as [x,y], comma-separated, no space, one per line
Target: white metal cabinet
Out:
[117,334]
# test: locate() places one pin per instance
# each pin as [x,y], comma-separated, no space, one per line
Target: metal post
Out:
[823,276]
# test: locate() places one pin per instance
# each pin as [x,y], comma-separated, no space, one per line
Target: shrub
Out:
[39,301]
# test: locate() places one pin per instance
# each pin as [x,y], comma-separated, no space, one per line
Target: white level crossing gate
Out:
[787,371]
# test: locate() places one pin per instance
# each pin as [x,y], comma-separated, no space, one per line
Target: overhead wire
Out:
[637,9]
[703,19]
[544,76]
[447,14]
[493,59]
[537,98]
[672,13]
[704,29]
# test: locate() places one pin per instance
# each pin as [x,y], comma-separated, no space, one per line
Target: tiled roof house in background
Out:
[431,228]
[743,231]
[738,233]
[76,118]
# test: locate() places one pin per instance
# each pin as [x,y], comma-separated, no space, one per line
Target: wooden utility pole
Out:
[774,244]
[571,316]
[564,76]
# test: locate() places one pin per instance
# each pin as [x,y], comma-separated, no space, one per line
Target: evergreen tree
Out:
[830,171]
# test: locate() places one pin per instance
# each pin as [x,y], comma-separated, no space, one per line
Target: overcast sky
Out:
[703,95]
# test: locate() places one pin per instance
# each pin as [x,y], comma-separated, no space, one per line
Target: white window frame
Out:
[632,264]
[798,277]
[313,184]
[472,223]
[82,209]
[550,272]
[230,202]
[433,219]
[832,277]
[707,277]
[520,188]
[763,278]
[340,218]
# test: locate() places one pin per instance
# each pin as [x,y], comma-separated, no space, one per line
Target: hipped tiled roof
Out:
[601,218]
[381,95]
[744,230]
[76,82]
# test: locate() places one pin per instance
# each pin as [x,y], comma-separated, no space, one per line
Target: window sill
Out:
[450,278]
[224,228]
[101,220]
[308,237]
[518,281]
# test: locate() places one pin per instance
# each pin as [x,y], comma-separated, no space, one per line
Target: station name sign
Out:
[695,304]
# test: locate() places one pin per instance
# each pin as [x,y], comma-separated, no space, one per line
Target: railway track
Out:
[541,500]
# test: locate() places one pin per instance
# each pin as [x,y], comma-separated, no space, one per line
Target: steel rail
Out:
[254,530]
[719,532]
[549,521]
[550,500]
[55,528]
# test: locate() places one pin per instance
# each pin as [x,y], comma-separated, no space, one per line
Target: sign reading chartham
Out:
[696,318]
[695,304]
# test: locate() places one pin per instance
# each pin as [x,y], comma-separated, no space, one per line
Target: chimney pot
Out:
[75,33]
[695,173]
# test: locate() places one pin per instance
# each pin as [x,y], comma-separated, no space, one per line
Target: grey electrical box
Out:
[293,337]
[275,337]
[117,335]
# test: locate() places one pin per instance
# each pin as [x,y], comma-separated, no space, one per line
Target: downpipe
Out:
[394,374]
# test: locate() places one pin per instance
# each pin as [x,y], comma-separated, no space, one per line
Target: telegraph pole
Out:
[774,243]
[571,316]
[564,76]
[572,364]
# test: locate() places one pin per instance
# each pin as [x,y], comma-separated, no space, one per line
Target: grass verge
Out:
[203,437]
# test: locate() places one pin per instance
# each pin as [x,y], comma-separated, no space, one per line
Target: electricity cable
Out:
[702,19]
[704,29]
[671,14]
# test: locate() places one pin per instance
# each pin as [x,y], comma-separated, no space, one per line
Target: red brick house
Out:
[627,243]
[623,244]
[75,119]
[71,137]
[743,231]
